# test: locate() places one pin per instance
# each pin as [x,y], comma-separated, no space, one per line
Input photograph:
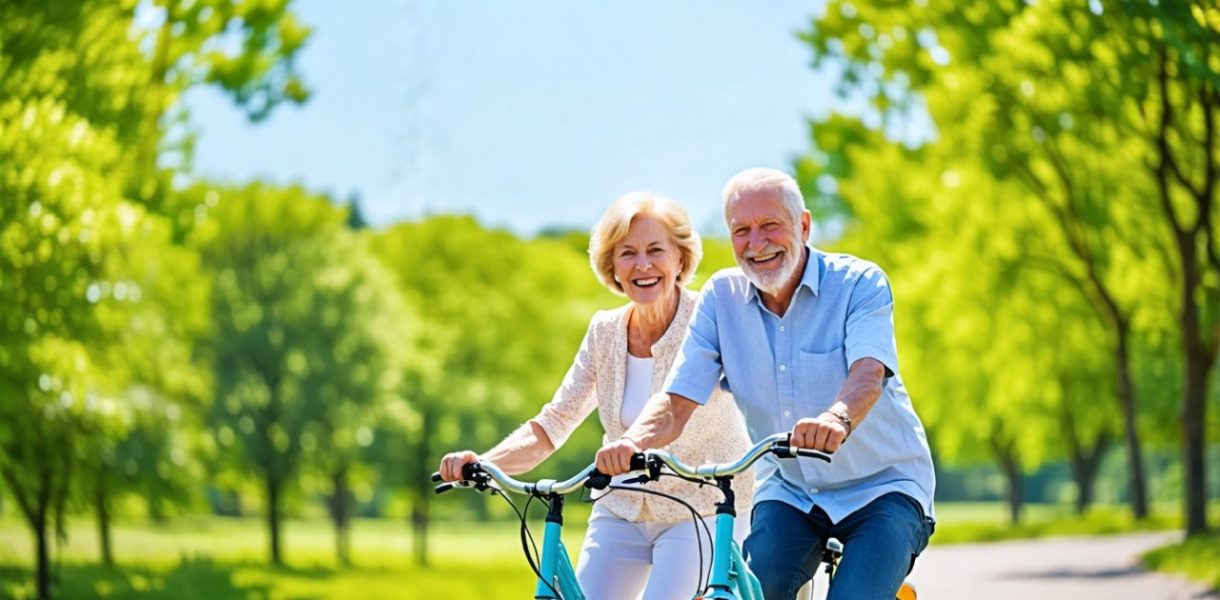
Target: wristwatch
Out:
[843,418]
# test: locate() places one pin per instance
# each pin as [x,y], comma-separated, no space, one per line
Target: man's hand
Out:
[452,463]
[615,458]
[826,433]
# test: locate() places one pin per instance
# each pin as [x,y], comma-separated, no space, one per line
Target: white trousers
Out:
[618,557]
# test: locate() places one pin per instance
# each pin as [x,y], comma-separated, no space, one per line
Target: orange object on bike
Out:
[906,592]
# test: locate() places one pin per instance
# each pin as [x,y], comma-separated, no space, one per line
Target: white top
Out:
[636,389]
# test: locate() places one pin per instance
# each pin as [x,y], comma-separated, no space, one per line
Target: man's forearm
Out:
[662,421]
[861,390]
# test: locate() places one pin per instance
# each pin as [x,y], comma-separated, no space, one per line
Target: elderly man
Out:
[805,342]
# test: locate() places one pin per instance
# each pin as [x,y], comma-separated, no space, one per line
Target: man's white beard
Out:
[772,282]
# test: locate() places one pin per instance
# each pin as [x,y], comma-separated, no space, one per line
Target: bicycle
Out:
[729,578]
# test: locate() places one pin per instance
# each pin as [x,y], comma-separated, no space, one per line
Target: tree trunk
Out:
[1126,398]
[1084,463]
[156,508]
[42,547]
[273,518]
[1084,459]
[102,510]
[423,487]
[419,531]
[1198,354]
[341,515]
[34,505]
[236,496]
[1084,471]
[1016,498]
[1194,417]
[1009,464]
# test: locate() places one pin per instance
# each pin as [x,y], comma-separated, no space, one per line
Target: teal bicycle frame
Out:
[729,571]
[555,567]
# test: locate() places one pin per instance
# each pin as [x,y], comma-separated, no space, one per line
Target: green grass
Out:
[226,558]
[1198,558]
[207,579]
[969,522]
[210,557]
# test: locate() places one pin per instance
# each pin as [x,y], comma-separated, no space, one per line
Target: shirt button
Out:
[782,368]
[781,327]
[813,490]
[787,413]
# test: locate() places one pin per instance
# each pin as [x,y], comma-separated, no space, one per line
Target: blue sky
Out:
[529,114]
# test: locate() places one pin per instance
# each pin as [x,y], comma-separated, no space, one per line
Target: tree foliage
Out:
[1047,125]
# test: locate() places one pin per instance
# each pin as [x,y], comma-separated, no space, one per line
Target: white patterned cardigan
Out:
[715,432]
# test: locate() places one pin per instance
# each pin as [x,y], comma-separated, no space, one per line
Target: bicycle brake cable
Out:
[526,536]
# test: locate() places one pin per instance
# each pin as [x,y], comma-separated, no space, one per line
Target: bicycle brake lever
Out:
[783,449]
[597,481]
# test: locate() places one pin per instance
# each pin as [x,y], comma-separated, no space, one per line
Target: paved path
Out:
[1048,569]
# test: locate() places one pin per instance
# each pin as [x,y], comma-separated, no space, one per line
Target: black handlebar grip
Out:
[812,454]
[469,470]
[597,480]
[639,461]
[436,477]
[444,487]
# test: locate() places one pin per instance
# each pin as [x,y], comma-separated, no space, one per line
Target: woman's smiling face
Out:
[646,261]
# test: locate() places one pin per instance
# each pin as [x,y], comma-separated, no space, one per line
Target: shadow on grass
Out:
[190,579]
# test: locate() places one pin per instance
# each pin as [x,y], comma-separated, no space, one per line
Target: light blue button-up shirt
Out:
[781,369]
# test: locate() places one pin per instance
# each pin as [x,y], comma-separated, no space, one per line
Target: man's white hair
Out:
[762,179]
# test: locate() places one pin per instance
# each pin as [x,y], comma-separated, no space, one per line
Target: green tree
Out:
[503,317]
[245,49]
[305,327]
[71,294]
[162,387]
[1175,46]
[354,365]
[89,58]
[1045,95]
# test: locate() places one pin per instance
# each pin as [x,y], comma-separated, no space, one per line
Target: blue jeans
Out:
[880,543]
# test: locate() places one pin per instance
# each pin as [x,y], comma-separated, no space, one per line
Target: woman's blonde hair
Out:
[613,226]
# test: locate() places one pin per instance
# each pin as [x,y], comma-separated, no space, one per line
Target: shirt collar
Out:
[815,267]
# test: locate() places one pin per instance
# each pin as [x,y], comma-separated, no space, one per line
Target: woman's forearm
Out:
[522,450]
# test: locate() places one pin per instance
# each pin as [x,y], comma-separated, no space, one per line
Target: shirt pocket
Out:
[819,377]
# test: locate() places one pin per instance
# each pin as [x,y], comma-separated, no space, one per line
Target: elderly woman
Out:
[644,248]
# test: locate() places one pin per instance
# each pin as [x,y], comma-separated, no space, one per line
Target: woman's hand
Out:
[452,463]
[615,458]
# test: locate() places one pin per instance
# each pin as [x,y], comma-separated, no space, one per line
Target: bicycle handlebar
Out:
[478,474]
[777,444]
